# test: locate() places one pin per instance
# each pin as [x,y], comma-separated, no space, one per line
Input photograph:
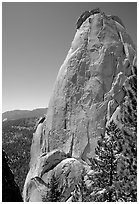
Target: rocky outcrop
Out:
[10,190]
[90,79]
[87,96]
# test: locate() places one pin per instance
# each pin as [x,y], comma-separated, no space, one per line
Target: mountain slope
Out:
[17,114]
[16,141]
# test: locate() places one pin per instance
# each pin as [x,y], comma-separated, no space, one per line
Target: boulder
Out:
[67,174]
[43,164]
[85,15]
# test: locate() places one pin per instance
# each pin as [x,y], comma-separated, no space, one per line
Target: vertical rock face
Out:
[87,96]
[10,190]
[88,88]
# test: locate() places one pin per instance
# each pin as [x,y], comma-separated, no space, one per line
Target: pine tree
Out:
[55,192]
[115,163]
[108,153]
[76,194]
[128,169]
[81,192]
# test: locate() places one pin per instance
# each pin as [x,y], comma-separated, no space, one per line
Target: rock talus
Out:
[87,96]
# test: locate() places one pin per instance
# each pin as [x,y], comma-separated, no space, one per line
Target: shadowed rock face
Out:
[10,190]
[87,96]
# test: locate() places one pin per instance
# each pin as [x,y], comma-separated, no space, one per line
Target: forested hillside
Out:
[16,141]
[10,190]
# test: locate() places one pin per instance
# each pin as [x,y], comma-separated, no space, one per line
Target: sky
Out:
[36,37]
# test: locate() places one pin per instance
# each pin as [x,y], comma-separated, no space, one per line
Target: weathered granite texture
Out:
[88,88]
[87,96]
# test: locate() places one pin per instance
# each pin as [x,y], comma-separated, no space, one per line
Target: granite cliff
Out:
[88,95]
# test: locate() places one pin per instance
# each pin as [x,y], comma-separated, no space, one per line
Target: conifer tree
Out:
[128,170]
[115,163]
[108,153]
[81,192]
[55,192]
[76,194]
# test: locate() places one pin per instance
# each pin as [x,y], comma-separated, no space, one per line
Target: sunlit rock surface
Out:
[87,96]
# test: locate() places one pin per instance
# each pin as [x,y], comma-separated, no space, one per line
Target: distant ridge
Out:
[18,114]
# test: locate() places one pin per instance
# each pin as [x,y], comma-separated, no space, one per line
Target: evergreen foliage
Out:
[55,191]
[76,195]
[16,141]
[81,192]
[115,163]
[105,165]
[128,173]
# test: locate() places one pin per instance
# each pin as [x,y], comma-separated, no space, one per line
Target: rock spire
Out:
[88,94]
